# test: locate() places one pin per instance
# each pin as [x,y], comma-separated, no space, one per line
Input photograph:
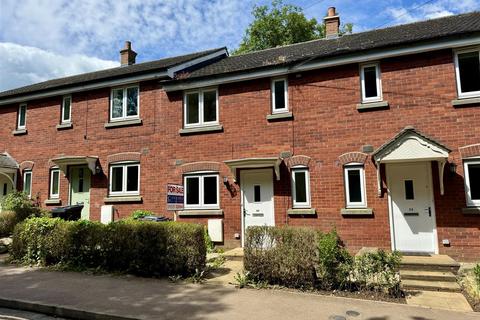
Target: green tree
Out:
[281,24]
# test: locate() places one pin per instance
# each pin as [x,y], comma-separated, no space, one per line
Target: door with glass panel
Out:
[80,178]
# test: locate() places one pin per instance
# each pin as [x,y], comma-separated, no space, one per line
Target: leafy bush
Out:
[8,220]
[138,247]
[476,274]
[138,214]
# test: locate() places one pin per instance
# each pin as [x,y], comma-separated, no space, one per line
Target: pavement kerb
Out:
[55,310]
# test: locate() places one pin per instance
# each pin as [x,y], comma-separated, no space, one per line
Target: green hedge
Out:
[137,247]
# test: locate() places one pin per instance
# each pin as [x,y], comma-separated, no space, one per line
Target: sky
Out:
[46,39]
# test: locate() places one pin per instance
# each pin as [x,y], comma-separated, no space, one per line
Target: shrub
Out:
[8,220]
[137,214]
[476,274]
[16,207]
[138,247]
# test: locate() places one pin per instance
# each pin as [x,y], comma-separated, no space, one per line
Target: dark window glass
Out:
[474,179]
[192,190]
[5,189]
[80,180]
[55,180]
[22,116]
[210,106]
[132,101]
[210,190]
[300,186]
[469,69]
[409,193]
[117,179]
[117,103]
[27,183]
[354,187]
[192,108]
[370,80]
[279,87]
[257,194]
[132,178]
[66,109]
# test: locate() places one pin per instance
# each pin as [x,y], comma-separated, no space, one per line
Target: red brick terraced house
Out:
[375,133]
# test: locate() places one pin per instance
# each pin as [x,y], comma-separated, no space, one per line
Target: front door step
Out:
[427,275]
[430,263]
[446,286]
[439,300]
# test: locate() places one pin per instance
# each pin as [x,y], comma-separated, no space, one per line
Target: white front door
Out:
[257,197]
[412,209]
[80,189]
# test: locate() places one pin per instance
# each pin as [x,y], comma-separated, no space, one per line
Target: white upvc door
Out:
[412,209]
[257,198]
[80,189]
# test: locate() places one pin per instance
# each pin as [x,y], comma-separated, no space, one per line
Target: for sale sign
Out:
[174,197]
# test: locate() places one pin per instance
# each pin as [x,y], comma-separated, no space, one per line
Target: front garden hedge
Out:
[138,247]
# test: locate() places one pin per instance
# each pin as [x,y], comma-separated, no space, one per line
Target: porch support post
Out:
[379,180]
[441,167]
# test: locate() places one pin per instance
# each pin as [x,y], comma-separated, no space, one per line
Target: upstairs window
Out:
[467,68]
[124,103]
[301,187]
[54,184]
[472,182]
[354,176]
[124,179]
[201,108]
[201,191]
[279,96]
[27,183]
[22,116]
[371,83]
[66,109]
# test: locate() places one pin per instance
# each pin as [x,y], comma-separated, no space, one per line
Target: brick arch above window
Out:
[299,160]
[349,157]
[472,150]
[26,165]
[200,166]
[124,156]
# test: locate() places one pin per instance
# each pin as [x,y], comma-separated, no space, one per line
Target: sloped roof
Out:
[6,161]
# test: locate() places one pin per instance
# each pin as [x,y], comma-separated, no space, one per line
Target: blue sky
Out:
[45,39]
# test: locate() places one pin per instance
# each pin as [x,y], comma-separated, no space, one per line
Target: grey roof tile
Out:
[6,161]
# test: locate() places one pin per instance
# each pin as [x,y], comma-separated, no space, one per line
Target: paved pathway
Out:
[139,298]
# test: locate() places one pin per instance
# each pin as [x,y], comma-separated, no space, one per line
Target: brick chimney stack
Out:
[332,24]
[127,55]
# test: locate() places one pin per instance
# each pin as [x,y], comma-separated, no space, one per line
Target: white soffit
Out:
[412,147]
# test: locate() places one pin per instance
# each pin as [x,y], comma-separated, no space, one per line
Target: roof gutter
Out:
[325,63]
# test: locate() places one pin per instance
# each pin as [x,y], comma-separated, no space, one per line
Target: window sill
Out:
[119,199]
[53,201]
[280,116]
[123,123]
[64,126]
[356,211]
[465,101]
[205,212]
[301,211]
[471,210]
[372,105]
[214,128]
[19,132]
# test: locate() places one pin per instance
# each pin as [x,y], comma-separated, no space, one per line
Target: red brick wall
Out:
[326,125]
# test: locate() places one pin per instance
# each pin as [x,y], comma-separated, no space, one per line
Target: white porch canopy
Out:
[8,167]
[65,161]
[251,163]
[411,146]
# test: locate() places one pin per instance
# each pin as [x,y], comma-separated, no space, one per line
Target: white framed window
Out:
[201,191]
[371,82]
[124,179]
[301,187]
[54,183]
[472,182]
[279,95]
[125,103]
[354,175]
[22,116]
[27,183]
[66,109]
[200,108]
[467,70]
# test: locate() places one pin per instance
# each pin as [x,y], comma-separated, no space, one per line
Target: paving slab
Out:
[440,300]
[225,275]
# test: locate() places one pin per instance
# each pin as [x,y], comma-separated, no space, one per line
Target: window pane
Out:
[81,179]
[474,179]
[22,116]
[370,79]
[132,178]
[132,102]
[469,68]
[279,87]
[354,186]
[27,183]
[192,190]
[300,186]
[192,108]
[117,179]
[117,103]
[257,194]
[409,194]
[210,190]
[210,106]
[55,181]
[66,109]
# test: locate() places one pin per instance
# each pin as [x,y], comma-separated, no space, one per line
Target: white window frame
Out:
[468,193]
[69,120]
[346,169]
[297,204]
[201,191]
[125,166]
[25,173]
[24,126]
[283,110]
[201,122]
[51,194]
[124,103]
[461,94]
[379,96]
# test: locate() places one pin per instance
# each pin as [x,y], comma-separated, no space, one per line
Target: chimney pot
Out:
[332,23]
[331,11]
[127,55]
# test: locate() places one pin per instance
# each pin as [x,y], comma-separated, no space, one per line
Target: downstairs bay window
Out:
[201,191]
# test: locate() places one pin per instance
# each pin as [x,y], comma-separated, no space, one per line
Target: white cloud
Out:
[22,65]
